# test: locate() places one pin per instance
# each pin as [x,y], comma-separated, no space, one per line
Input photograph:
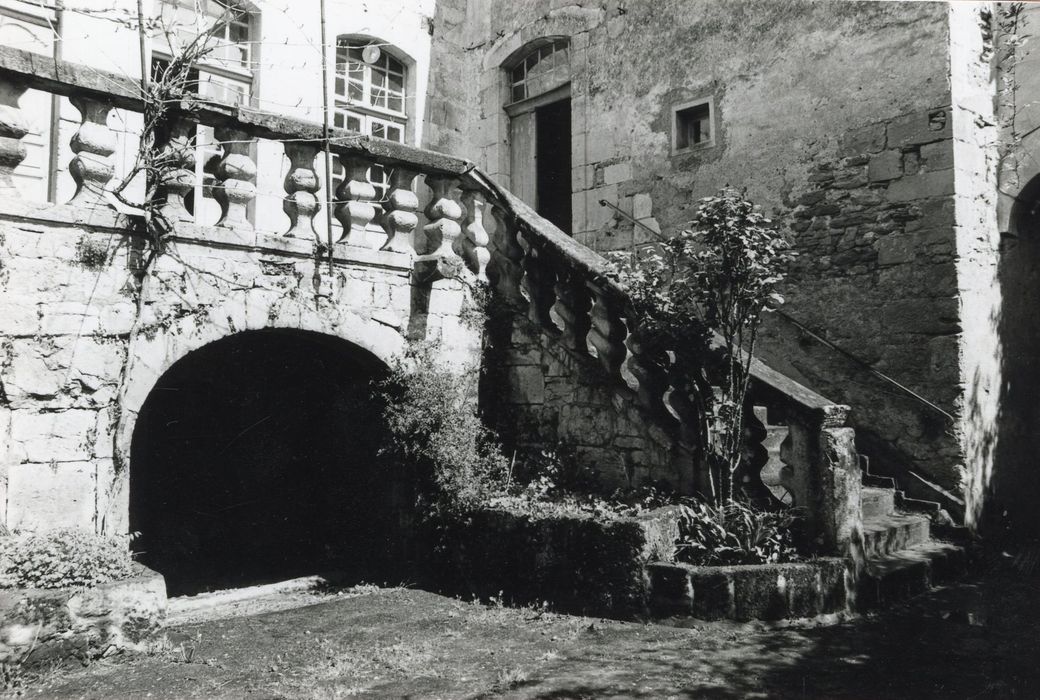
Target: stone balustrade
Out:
[561,286]
[452,216]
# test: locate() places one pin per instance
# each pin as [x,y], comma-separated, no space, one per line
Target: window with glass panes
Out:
[541,70]
[370,92]
[224,74]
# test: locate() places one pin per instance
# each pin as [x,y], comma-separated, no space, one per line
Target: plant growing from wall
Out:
[435,432]
[706,289]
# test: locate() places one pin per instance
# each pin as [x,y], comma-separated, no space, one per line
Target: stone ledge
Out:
[104,219]
[751,592]
[37,625]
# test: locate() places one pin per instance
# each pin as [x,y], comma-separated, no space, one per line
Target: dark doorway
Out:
[553,175]
[1009,500]
[254,459]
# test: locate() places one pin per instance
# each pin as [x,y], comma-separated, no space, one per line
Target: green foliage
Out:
[713,280]
[63,559]
[734,533]
[434,429]
[91,253]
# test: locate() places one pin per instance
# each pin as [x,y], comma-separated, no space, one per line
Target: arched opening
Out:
[539,109]
[254,459]
[1014,489]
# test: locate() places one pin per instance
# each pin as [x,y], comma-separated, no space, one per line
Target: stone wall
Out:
[837,118]
[556,401]
[88,324]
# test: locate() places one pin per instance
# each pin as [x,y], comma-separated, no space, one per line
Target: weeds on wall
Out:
[65,558]
[708,287]
[434,430]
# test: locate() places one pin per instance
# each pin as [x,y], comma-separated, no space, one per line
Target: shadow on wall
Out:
[1010,494]
[254,459]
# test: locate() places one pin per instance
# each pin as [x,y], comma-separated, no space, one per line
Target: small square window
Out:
[692,127]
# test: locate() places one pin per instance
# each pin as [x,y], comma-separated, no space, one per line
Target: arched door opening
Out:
[254,459]
[1010,503]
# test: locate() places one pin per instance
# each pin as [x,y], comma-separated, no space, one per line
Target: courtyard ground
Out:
[979,638]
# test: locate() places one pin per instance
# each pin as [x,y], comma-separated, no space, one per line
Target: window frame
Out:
[557,46]
[708,101]
[341,74]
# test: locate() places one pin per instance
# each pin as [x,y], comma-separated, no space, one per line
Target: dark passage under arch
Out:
[254,460]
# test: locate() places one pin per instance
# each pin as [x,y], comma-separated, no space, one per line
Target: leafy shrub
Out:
[434,429]
[63,559]
[734,533]
[714,279]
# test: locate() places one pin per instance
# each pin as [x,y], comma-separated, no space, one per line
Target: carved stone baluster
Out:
[475,240]
[13,126]
[539,283]
[301,185]
[795,474]
[608,331]
[748,477]
[94,143]
[400,219]
[236,173]
[573,303]
[684,403]
[177,169]
[356,194]
[649,368]
[507,256]
[443,231]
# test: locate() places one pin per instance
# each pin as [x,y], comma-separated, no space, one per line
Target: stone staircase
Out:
[902,552]
[905,549]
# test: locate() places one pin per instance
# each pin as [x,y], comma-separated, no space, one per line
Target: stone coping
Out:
[38,624]
[73,79]
[105,219]
[749,592]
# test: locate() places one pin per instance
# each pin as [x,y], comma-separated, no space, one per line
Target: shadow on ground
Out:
[976,639]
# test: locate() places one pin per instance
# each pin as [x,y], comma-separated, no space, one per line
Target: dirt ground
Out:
[977,639]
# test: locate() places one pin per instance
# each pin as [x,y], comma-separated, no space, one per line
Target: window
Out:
[225,74]
[370,98]
[541,70]
[693,126]
[29,26]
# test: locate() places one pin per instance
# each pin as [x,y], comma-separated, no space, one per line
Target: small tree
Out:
[708,286]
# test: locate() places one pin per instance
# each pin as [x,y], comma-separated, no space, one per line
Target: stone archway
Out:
[1009,504]
[254,458]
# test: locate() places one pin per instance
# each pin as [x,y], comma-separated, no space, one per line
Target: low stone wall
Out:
[750,592]
[578,564]
[38,624]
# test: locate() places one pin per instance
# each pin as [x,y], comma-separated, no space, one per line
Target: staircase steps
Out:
[901,556]
[908,572]
[877,501]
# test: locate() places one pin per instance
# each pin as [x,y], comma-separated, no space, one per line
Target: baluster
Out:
[476,239]
[688,410]
[748,477]
[649,368]
[301,186]
[607,333]
[356,195]
[236,173]
[794,475]
[94,143]
[506,266]
[177,169]
[13,126]
[573,303]
[443,231]
[400,219]
[539,283]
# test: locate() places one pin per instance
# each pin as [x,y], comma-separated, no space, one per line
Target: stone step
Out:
[876,501]
[908,572]
[883,534]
